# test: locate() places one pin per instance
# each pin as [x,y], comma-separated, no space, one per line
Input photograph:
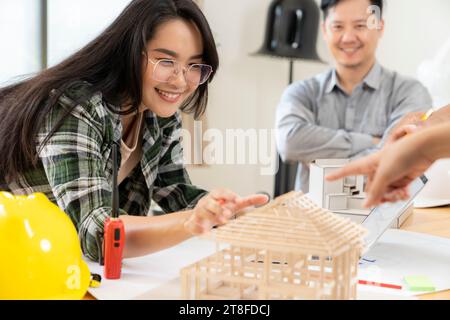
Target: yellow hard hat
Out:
[40,252]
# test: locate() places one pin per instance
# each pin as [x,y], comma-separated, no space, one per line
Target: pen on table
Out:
[380,284]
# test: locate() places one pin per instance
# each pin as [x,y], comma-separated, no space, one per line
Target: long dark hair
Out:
[111,63]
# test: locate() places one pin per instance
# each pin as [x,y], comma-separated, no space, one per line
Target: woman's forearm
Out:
[434,142]
[145,235]
[438,117]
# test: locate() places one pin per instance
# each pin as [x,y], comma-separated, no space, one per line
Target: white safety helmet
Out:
[436,192]
[435,75]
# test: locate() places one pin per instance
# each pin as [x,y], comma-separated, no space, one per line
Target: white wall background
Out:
[414,32]
[19,34]
[72,24]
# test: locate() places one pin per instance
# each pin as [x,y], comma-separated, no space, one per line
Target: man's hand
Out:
[376,140]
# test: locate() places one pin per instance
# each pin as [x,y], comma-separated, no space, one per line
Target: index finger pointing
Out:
[254,200]
[351,169]
[223,194]
[362,166]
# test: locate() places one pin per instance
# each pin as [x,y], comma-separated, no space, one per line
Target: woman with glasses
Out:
[126,87]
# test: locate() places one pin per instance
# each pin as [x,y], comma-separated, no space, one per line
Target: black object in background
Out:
[291,32]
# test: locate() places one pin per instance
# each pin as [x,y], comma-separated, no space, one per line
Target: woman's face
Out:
[176,40]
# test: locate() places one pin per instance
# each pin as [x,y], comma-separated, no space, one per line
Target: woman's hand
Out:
[217,207]
[409,124]
[415,121]
[401,132]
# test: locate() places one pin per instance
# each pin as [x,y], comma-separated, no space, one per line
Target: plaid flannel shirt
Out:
[75,167]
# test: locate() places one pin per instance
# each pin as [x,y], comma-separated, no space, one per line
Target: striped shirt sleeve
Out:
[173,190]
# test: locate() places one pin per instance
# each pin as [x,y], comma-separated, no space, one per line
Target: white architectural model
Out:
[344,197]
[288,249]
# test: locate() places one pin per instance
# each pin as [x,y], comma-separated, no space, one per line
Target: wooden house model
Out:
[288,249]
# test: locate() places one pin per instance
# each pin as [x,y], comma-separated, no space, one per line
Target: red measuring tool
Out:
[380,284]
[114,231]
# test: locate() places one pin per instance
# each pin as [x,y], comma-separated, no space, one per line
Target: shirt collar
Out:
[372,79]
[163,123]
[333,82]
[152,122]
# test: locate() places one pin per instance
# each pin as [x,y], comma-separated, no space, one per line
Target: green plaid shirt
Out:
[75,167]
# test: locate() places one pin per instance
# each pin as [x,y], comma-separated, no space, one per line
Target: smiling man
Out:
[347,111]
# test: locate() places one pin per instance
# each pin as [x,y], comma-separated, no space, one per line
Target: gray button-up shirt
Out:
[316,119]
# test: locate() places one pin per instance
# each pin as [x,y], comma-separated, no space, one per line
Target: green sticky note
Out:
[419,283]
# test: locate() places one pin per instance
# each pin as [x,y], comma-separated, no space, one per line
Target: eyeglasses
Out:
[165,69]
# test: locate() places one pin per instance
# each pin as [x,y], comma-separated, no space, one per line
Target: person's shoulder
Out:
[402,87]
[311,86]
[78,90]
[397,80]
[83,102]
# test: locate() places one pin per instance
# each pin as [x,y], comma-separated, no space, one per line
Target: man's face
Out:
[346,32]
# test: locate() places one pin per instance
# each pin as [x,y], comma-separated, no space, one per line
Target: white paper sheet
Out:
[141,275]
[402,253]
[398,253]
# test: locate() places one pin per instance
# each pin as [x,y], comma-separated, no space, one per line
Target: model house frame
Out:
[288,249]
